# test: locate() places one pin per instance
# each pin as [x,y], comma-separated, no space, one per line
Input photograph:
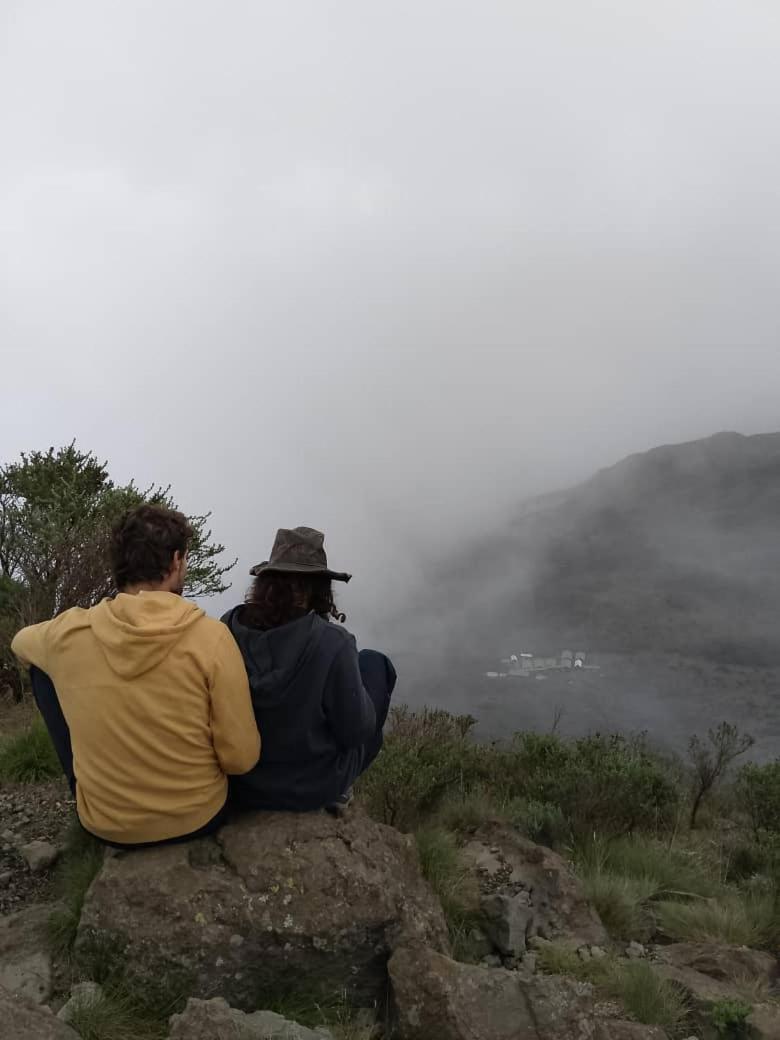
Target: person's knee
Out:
[375,663]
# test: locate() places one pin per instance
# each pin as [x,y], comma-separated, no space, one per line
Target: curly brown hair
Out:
[276,599]
[143,544]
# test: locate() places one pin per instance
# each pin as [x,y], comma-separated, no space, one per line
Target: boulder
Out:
[25,964]
[81,995]
[536,886]
[725,963]
[273,899]
[216,1020]
[710,973]
[437,997]
[506,921]
[22,1020]
[39,855]
[764,1022]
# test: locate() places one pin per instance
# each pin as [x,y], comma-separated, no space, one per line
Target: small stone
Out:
[492,961]
[529,962]
[5,879]
[81,995]
[635,951]
[236,940]
[8,835]
[584,953]
[38,855]
[597,953]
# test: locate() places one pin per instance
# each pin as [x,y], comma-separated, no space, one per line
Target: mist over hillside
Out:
[664,568]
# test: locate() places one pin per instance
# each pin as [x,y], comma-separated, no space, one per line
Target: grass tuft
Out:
[739,918]
[645,996]
[116,1015]
[29,757]
[78,866]
[442,868]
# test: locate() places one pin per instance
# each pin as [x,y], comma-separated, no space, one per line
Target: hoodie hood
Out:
[137,632]
[273,658]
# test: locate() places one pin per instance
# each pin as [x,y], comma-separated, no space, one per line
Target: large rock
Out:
[22,1020]
[710,973]
[764,1022]
[435,997]
[725,963]
[276,900]
[525,890]
[25,964]
[216,1020]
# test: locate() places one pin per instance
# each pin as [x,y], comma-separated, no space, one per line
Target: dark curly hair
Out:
[143,543]
[276,599]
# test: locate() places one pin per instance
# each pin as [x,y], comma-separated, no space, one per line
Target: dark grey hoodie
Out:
[312,710]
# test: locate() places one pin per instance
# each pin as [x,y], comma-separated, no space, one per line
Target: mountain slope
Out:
[671,555]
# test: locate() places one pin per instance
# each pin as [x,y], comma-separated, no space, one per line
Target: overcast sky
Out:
[385,267]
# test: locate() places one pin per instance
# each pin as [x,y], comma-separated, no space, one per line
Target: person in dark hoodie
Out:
[319,703]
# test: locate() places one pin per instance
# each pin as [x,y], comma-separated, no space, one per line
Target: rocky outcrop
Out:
[764,1022]
[22,1020]
[438,997]
[25,965]
[525,891]
[710,973]
[216,1020]
[275,898]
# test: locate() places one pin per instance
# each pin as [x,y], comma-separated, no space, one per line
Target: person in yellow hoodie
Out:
[152,706]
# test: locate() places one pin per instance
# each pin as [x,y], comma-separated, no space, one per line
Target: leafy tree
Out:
[57,509]
[711,759]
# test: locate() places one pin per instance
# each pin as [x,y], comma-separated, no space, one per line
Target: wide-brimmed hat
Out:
[299,551]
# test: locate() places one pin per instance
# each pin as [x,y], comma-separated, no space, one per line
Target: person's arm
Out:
[233,727]
[29,645]
[348,707]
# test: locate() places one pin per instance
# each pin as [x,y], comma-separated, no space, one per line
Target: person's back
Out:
[319,703]
[156,702]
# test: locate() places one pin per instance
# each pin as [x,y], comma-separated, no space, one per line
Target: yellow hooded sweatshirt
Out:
[156,697]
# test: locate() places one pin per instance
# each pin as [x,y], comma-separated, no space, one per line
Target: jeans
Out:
[379,677]
[49,706]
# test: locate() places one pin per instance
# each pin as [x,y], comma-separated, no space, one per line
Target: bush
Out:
[729,1018]
[759,791]
[553,789]
[425,755]
[29,756]
[541,822]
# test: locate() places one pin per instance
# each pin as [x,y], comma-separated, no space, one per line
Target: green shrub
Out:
[759,791]
[556,789]
[729,1018]
[541,822]
[607,784]
[29,756]
[425,755]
